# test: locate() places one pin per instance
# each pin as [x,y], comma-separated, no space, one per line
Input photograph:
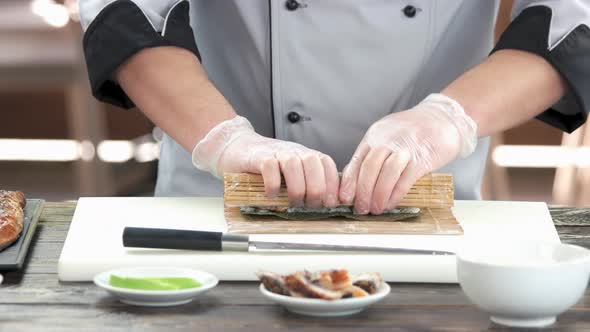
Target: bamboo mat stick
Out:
[243,189]
[432,221]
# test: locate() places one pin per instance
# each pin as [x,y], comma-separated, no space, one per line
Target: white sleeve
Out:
[566,15]
[558,31]
[115,30]
[154,10]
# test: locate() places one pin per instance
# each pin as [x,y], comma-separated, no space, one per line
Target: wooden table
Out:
[35,300]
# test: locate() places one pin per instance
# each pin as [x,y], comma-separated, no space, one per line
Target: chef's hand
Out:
[234,146]
[402,147]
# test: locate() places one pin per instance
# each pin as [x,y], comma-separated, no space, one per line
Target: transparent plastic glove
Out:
[233,146]
[401,147]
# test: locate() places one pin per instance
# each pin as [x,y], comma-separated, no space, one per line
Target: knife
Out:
[159,238]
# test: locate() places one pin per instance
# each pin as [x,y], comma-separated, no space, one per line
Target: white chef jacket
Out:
[320,72]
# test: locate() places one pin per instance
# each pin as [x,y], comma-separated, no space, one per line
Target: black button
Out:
[410,11]
[293,117]
[292,5]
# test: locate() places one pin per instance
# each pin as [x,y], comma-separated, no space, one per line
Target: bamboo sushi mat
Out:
[243,189]
[432,221]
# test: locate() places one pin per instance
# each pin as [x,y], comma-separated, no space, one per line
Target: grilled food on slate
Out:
[327,285]
[12,204]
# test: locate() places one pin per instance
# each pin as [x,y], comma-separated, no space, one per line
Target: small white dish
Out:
[324,308]
[156,298]
[523,285]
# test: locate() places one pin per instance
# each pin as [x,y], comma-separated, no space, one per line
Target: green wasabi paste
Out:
[163,283]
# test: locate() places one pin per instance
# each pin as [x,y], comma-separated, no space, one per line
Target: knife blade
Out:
[137,237]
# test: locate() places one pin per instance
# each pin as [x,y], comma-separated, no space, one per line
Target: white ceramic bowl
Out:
[525,285]
[156,298]
[323,308]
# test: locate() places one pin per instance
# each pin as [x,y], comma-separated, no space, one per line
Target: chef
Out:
[384,90]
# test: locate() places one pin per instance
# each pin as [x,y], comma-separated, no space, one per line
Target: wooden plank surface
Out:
[34,300]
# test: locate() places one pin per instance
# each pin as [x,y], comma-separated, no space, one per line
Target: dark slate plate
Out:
[13,257]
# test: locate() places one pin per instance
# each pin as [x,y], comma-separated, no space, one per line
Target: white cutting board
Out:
[94,242]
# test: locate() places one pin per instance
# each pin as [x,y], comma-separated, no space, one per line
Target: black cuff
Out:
[530,32]
[118,32]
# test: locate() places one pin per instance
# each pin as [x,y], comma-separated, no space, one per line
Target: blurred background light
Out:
[115,151]
[111,151]
[53,13]
[540,156]
[146,152]
[39,150]
[87,150]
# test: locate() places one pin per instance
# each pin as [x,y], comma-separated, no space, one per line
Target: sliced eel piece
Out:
[369,282]
[326,285]
[298,283]
[332,280]
[354,291]
[274,283]
[12,216]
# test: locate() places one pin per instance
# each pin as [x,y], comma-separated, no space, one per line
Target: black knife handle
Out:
[171,239]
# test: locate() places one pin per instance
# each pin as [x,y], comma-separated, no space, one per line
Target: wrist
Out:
[208,151]
[456,115]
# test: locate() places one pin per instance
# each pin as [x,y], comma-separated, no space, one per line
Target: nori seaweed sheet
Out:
[305,214]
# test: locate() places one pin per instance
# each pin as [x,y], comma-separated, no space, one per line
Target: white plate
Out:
[156,298]
[324,308]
